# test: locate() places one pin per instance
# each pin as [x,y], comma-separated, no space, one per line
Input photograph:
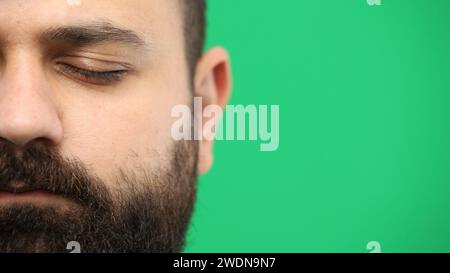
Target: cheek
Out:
[128,131]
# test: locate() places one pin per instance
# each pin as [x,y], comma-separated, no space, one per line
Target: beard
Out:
[150,213]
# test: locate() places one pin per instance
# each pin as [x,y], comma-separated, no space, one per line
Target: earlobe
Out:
[213,84]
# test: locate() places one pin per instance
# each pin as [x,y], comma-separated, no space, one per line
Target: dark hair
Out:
[194,30]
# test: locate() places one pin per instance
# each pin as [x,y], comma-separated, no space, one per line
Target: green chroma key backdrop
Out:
[364,150]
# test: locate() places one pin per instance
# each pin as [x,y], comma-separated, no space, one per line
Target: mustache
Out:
[39,166]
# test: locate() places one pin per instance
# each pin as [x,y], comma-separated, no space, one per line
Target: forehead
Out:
[20,19]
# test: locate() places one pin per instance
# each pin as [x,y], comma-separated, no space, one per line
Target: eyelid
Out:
[91,64]
[89,76]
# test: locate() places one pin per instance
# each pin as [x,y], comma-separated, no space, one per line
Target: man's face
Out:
[86,153]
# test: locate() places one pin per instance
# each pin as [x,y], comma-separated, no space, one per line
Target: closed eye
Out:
[91,76]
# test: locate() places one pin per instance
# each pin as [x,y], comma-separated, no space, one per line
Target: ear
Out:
[213,84]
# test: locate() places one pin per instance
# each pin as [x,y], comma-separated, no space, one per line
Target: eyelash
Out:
[102,77]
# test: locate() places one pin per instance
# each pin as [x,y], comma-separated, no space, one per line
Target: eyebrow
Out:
[93,33]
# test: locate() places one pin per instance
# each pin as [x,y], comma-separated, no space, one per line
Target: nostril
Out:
[40,142]
[5,141]
[11,147]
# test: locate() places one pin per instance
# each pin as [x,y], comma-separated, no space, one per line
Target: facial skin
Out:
[109,129]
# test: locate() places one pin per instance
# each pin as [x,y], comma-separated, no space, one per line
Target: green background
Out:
[364,128]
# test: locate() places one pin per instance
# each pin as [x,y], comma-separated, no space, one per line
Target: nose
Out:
[27,111]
